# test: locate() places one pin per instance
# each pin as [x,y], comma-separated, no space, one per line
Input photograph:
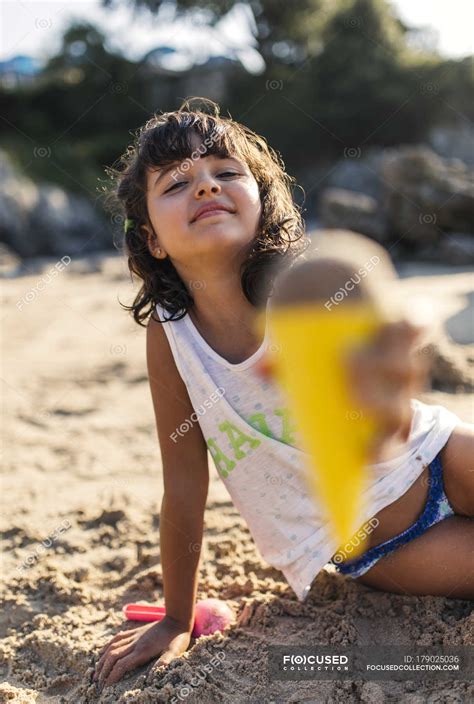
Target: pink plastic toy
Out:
[210,615]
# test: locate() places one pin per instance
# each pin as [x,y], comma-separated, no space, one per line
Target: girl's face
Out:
[178,197]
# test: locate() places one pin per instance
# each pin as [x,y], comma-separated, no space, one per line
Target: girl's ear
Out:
[152,242]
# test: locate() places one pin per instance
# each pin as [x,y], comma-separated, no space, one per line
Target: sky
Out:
[34,27]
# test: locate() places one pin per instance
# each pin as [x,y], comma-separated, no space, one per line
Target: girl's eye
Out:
[171,188]
[180,183]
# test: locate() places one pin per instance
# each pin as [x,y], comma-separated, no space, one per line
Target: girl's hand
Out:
[130,649]
[384,376]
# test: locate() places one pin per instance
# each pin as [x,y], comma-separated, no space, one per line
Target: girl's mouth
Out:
[212,213]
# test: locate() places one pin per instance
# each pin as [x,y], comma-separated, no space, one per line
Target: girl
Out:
[210,225]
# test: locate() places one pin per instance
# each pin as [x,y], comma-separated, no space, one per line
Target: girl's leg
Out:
[441,561]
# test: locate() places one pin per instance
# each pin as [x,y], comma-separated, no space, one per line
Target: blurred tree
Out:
[361,78]
[354,77]
[286,31]
[76,117]
[453,83]
[339,76]
[340,71]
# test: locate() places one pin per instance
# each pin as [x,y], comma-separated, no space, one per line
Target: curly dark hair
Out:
[167,138]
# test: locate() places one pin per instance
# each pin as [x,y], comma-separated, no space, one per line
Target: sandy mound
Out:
[82,491]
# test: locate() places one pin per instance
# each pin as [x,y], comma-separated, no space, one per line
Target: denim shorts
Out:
[437,508]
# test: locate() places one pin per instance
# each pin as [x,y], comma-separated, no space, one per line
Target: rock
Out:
[457,248]
[450,365]
[459,326]
[358,171]
[454,141]
[348,210]
[426,195]
[45,220]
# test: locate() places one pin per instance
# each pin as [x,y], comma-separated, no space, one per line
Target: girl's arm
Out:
[185,476]
[186,481]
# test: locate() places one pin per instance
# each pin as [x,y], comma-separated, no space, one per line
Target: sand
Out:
[81,496]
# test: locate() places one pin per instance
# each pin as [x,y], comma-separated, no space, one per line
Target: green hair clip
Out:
[128,224]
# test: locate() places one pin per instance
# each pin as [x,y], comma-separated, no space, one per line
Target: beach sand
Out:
[82,491]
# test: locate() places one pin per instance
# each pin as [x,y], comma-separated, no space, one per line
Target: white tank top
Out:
[254,445]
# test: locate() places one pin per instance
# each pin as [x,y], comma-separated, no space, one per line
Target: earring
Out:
[158,251]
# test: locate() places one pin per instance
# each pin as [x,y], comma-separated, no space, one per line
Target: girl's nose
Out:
[207,186]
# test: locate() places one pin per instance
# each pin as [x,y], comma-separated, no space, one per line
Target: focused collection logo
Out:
[315,662]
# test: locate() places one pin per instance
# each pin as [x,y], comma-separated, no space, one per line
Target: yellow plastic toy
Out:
[306,355]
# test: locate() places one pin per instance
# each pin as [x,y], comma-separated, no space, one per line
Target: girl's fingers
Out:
[110,662]
[403,367]
[396,339]
[118,668]
[103,654]
[386,401]
[111,649]
[377,377]
[127,661]
[399,334]
[395,365]
[117,637]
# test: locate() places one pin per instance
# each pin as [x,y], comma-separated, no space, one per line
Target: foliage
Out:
[339,75]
